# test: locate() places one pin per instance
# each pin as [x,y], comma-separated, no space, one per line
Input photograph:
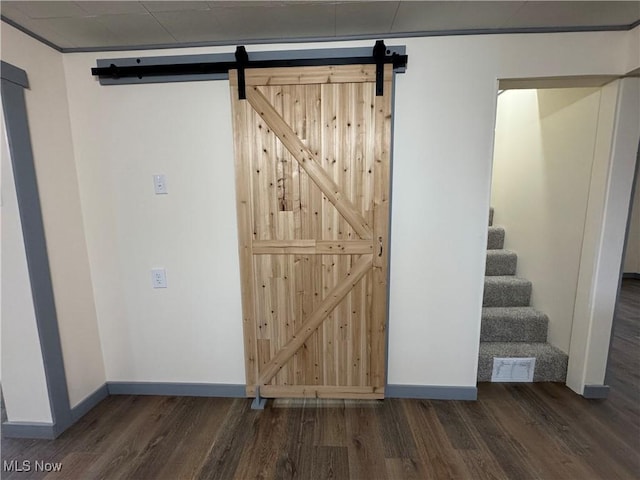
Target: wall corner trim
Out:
[13,74]
[35,244]
[431,392]
[93,399]
[45,431]
[596,391]
[178,389]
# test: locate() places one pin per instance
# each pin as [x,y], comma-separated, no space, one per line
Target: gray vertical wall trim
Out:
[13,74]
[18,137]
[595,391]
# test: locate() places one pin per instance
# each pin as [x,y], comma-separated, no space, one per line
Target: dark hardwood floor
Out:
[513,431]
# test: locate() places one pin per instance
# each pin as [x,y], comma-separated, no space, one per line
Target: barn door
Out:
[312,171]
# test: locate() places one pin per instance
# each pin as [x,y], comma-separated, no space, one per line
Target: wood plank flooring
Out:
[518,431]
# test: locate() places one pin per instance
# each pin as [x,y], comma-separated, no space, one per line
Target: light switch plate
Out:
[160,184]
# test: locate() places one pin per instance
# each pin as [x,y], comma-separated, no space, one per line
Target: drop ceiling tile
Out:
[138,29]
[13,13]
[85,32]
[434,16]
[38,27]
[174,6]
[242,23]
[358,18]
[111,8]
[190,26]
[47,9]
[267,3]
[291,21]
[572,14]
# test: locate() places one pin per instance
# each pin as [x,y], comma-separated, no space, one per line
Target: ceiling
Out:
[99,25]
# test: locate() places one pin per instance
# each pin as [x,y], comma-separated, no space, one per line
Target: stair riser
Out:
[548,369]
[495,240]
[532,330]
[501,295]
[501,264]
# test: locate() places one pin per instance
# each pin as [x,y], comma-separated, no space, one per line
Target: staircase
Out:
[510,327]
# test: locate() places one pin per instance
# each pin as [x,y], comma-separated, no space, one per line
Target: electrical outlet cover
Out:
[514,369]
[159,278]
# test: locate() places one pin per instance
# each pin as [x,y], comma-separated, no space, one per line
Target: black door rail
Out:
[380,56]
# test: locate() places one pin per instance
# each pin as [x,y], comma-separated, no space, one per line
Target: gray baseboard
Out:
[178,389]
[635,276]
[595,391]
[50,431]
[431,392]
[46,431]
[93,399]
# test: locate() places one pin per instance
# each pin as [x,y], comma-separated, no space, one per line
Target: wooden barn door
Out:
[312,181]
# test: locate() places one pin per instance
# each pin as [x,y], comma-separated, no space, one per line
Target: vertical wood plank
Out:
[344,153]
[382,156]
[290,298]
[245,229]
[329,122]
[313,119]
[264,352]
[300,208]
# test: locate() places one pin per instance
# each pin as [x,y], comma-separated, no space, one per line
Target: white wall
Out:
[191,331]
[632,254]
[24,385]
[445,109]
[48,114]
[544,149]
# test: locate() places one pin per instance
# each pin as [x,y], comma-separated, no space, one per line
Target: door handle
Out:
[380,246]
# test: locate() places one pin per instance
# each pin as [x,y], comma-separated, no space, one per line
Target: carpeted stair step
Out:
[551,363]
[490,216]
[513,324]
[496,238]
[506,291]
[501,262]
